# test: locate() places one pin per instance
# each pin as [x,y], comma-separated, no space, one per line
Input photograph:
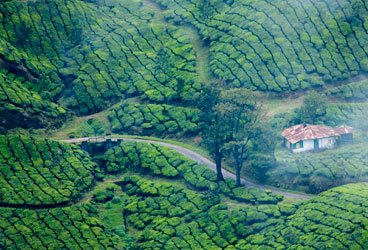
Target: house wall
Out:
[324,143]
[308,145]
[327,143]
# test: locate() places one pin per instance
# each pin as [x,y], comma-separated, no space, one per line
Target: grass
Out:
[274,106]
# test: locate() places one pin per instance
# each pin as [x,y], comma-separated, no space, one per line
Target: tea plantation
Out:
[154,119]
[276,45]
[333,220]
[89,55]
[160,161]
[163,68]
[158,199]
[314,173]
[168,216]
[75,227]
[41,172]
[21,107]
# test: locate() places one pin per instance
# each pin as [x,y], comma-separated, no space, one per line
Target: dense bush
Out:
[333,220]
[154,119]
[169,216]
[351,92]
[91,57]
[160,161]
[316,172]
[75,227]
[20,107]
[40,172]
[279,45]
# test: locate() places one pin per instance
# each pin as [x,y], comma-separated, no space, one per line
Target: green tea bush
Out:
[75,227]
[92,56]
[333,219]
[164,162]
[278,46]
[170,216]
[42,172]
[316,172]
[350,92]
[154,119]
[20,107]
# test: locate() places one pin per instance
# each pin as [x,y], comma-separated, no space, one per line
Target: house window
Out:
[298,145]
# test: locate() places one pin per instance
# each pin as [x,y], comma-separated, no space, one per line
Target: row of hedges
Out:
[350,92]
[345,113]
[75,227]
[314,173]
[276,45]
[99,52]
[169,216]
[333,220]
[154,119]
[22,107]
[164,162]
[42,172]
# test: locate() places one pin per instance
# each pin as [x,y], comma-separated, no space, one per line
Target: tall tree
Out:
[239,115]
[313,110]
[214,134]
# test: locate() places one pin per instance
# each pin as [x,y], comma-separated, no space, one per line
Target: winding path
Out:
[199,159]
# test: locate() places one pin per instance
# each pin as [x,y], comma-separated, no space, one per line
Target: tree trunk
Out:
[220,177]
[238,182]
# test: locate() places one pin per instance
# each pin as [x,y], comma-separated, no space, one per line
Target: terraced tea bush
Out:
[90,127]
[20,107]
[154,119]
[350,92]
[75,227]
[316,172]
[169,216]
[164,162]
[42,172]
[334,219]
[276,45]
[96,54]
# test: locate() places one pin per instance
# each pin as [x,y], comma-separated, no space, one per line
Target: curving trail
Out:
[199,159]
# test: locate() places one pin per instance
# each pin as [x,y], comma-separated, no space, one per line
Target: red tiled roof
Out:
[309,132]
[344,130]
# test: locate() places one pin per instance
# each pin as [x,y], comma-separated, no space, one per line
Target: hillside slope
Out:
[279,45]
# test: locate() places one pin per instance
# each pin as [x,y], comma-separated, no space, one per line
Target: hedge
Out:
[93,56]
[164,162]
[316,172]
[154,119]
[278,46]
[42,172]
[75,227]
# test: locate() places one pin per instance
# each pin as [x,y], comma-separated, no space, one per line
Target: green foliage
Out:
[154,119]
[91,127]
[169,216]
[334,219]
[164,162]
[94,57]
[20,107]
[103,196]
[280,45]
[75,227]
[38,172]
[314,173]
[356,91]
[314,109]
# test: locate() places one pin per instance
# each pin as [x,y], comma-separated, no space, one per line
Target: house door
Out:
[316,144]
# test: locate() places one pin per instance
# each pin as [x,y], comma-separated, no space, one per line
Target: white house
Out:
[306,137]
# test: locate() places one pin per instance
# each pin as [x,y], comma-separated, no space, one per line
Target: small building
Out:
[307,137]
